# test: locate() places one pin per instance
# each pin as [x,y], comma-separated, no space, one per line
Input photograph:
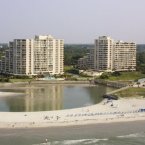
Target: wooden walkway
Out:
[124,88]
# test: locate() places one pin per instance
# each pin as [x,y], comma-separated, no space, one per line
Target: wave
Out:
[74,142]
[135,135]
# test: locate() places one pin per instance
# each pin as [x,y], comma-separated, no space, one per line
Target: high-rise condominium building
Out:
[114,55]
[21,57]
[43,54]
[124,56]
[48,55]
[104,53]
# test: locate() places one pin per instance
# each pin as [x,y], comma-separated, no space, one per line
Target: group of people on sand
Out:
[51,117]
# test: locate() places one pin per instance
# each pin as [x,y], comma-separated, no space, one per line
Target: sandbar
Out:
[107,111]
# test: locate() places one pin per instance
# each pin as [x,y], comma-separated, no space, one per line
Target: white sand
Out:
[122,110]
[10,94]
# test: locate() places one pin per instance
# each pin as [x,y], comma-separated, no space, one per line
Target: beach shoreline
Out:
[107,111]
[123,110]
[67,134]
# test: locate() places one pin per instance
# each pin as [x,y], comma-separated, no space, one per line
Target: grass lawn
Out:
[131,92]
[66,68]
[127,76]
[20,80]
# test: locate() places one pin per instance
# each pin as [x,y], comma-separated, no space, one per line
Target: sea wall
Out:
[60,82]
[111,83]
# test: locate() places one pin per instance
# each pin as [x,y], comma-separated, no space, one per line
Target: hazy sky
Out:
[75,21]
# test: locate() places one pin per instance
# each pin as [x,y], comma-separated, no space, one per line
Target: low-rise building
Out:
[87,62]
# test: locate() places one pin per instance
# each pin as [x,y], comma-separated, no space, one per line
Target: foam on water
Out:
[118,140]
[135,135]
[74,142]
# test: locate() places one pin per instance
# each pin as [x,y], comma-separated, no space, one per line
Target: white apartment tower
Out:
[48,55]
[43,54]
[21,57]
[111,55]
[104,53]
[124,56]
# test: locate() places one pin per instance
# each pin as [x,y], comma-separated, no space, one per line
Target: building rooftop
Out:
[43,37]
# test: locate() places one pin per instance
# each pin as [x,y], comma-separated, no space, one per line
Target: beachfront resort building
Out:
[124,56]
[41,55]
[111,55]
[48,55]
[103,54]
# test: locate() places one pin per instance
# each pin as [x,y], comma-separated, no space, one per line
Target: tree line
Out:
[72,52]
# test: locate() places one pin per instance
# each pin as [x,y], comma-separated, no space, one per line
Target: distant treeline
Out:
[141,58]
[72,52]
[140,48]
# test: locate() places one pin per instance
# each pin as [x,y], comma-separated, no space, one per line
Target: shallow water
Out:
[128,133]
[45,97]
[130,139]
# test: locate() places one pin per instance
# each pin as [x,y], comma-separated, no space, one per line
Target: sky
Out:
[75,21]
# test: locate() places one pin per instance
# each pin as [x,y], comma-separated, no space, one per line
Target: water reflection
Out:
[52,97]
[46,98]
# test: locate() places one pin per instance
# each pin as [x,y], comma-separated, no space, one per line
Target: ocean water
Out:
[127,133]
[130,139]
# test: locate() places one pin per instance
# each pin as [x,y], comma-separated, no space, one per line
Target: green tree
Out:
[72,52]
[104,76]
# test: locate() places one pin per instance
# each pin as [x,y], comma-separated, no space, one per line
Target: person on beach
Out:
[46,140]
[57,117]
[29,82]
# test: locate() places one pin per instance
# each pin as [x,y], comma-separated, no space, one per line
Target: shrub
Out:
[116,73]
[104,76]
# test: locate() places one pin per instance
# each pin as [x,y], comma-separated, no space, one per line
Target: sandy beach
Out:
[122,110]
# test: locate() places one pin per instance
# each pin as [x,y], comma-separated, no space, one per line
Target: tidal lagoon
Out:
[48,97]
[28,98]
